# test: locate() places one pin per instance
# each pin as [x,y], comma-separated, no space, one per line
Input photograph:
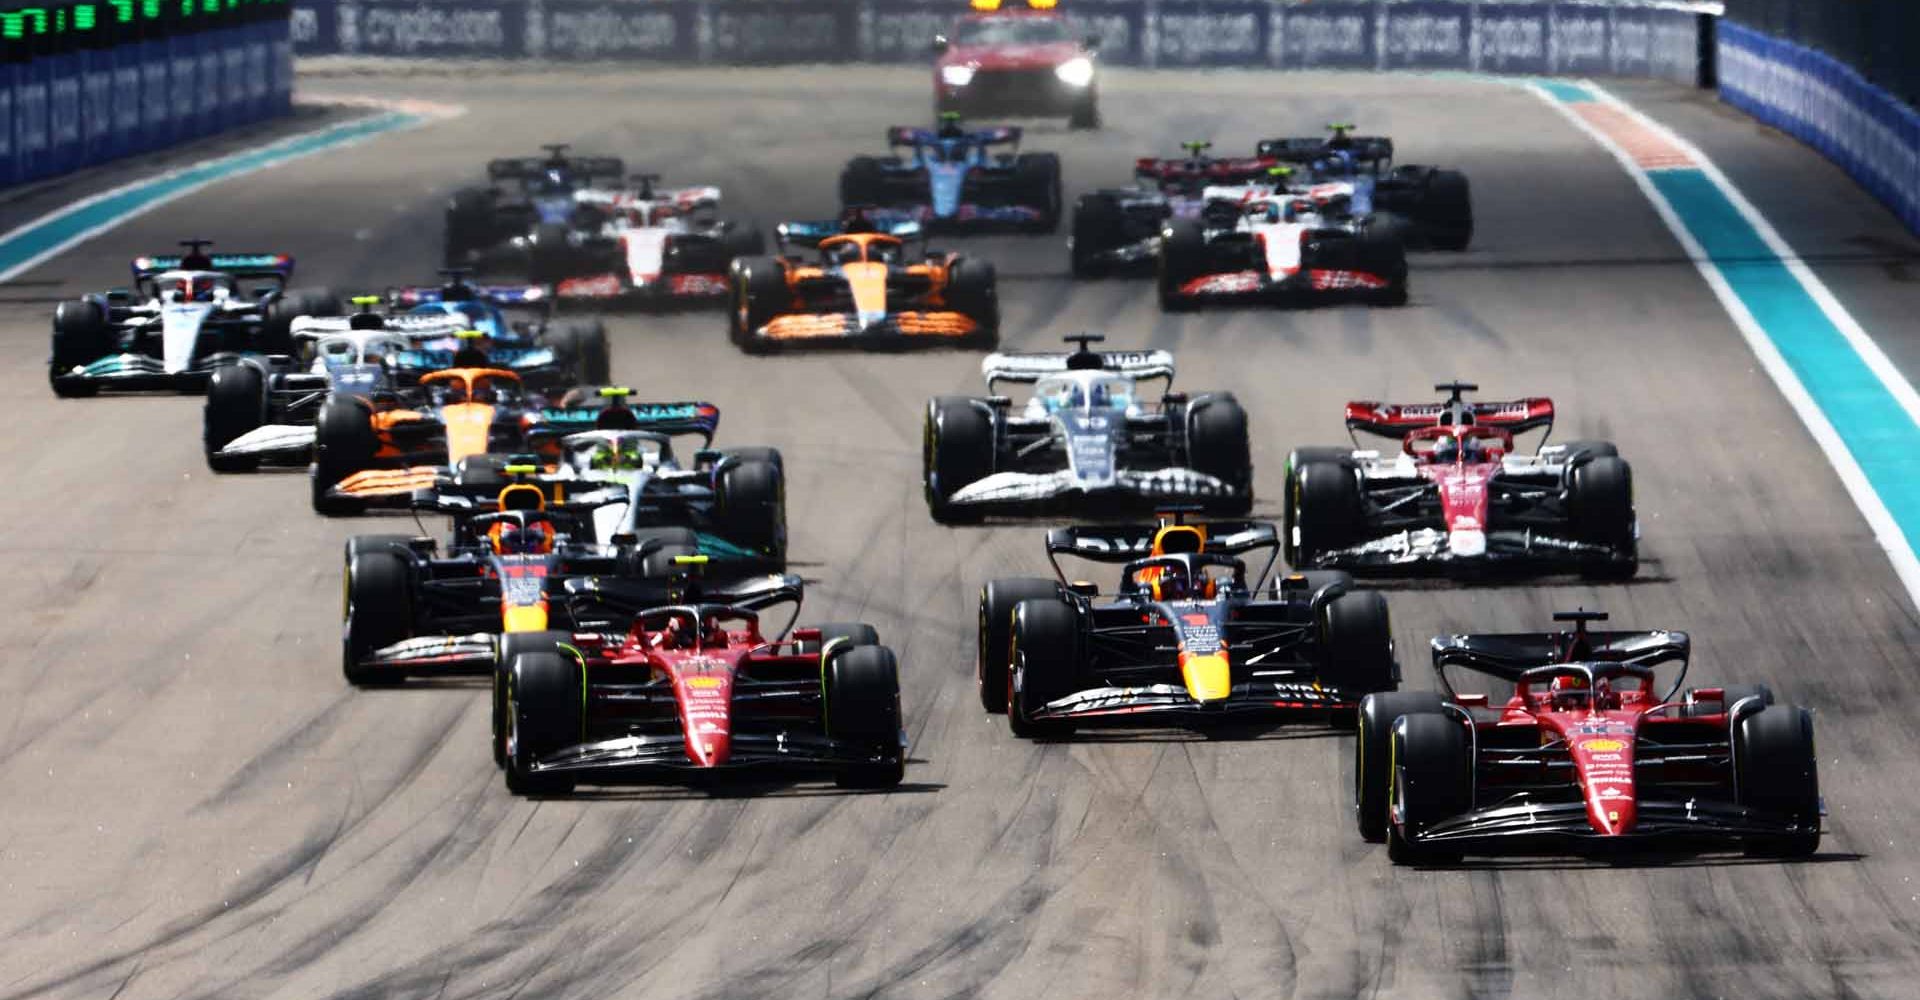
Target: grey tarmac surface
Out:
[198,806]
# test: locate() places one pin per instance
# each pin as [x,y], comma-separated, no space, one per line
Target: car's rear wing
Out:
[1226,170]
[406,325]
[690,418]
[1029,368]
[808,235]
[1124,543]
[1365,149]
[520,168]
[499,295]
[1397,420]
[240,265]
[910,135]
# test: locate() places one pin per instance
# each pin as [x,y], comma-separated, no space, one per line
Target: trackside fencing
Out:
[1621,39]
[83,83]
[1828,105]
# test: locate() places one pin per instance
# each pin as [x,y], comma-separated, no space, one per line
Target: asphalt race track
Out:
[196,805]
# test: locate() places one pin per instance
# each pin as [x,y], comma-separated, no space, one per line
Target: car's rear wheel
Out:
[1779,777]
[1218,446]
[957,450]
[236,404]
[469,225]
[972,292]
[1037,177]
[1086,111]
[1600,505]
[863,709]
[1356,634]
[998,599]
[1044,664]
[750,505]
[277,338]
[1372,766]
[1098,226]
[1183,249]
[549,254]
[581,350]
[863,182]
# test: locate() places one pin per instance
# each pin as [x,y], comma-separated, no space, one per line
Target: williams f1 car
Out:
[952,177]
[263,409]
[1085,437]
[1592,751]
[1455,495]
[653,246]
[526,218]
[694,687]
[1117,230]
[183,317]
[844,283]
[1190,636]
[1433,206]
[1276,246]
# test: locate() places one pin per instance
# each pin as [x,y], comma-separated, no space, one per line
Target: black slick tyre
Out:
[1371,754]
[1600,504]
[957,449]
[512,646]
[236,404]
[544,705]
[1779,778]
[549,256]
[995,637]
[81,336]
[344,443]
[750,504]
[581,349]
[277,337]
[1086,111]
[1044,665]
[379,613]
[1356,636]
[1098,226]
[1183,248]
[758,293]
[1217,445]
[1037,176]
[972,291]
[1431,780]
[1323,511]
[863,182]
[862,688]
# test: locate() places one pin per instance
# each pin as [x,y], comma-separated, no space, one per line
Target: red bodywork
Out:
[1462,479]
[1017,77]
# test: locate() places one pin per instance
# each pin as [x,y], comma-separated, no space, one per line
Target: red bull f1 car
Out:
[1190,637]
[1592,751]
[846,283]
[1456,496]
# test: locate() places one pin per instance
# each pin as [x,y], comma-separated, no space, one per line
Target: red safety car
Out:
[1017,61]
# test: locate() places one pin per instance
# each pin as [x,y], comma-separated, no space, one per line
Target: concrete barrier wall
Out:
[1828,105]
[1522,38]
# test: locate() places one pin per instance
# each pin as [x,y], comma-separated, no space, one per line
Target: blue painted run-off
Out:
[1564,92]
[60,227]
[1876,429]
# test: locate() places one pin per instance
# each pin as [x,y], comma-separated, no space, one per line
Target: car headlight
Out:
[956,76]
[1075,72]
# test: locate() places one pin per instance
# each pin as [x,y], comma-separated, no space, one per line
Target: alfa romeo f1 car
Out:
[1084,438]
[1590,752]
[843,282]
[952,177]
[183,317]
[653,246]
[523,563]
[1456,495]
[1433,206]
[1017,62]
[1117,230]
[1279,246]
[1190,636]
[695,687]
[525,217]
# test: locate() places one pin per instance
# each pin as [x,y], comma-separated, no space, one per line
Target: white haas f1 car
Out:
[1084,438]
[1255,242]
[657,246]
[1457,496]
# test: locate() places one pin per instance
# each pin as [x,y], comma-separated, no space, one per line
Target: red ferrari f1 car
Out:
[1589,751]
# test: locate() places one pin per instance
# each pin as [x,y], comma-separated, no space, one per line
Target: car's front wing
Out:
[1015,490]
[136,372]
[1518,827]
[652,758]
[275,442]
[1431,550]
[1172,702]
[436,655]
[1305,283]
[902,329]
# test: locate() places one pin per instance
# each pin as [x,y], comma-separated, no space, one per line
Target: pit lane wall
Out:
[1828,105]
[86,82]
[1618,39]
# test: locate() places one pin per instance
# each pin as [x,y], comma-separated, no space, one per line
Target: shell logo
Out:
[1603,746]
[703,683]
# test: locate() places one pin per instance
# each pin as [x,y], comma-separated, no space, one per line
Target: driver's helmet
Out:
[1298,208]
[196,288]
[1174,582]
[614,457]
[950,128]
[1464,448]
[854,220]
[1446,448]
[883,253]
[1066,395]
[533,538]
[844,253]
[1568,691]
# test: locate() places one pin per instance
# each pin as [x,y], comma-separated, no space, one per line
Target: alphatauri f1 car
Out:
[526,217]
[1085,437]
[951,177]
[183,317]
[846,283]
[1591,751]
[1190,637]
[695,686]
[1456,496]
[1117,230]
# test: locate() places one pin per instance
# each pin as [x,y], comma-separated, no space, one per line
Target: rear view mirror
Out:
[1470,700]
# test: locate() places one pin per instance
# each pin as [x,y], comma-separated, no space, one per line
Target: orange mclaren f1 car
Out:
[847,282]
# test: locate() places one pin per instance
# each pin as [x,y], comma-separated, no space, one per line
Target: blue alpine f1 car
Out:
[950,177]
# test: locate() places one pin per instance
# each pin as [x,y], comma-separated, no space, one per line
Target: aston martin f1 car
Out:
[1434,206]
[694,687]
[1279,247]
[654,246]
[522,562]
[526,217]
[1456,496]
[1117,230]
[846,283]
[183,317]
[1085,438]
[1190,636]
[951,177]
[1592,751]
